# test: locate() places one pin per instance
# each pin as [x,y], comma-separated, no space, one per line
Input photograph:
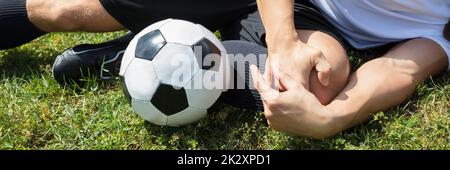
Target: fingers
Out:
[287,81]
[268,74]
[324,71]
[263,87]
[269,115]
[272,73]
[275,69]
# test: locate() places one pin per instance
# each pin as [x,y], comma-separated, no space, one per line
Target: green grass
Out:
[36,113]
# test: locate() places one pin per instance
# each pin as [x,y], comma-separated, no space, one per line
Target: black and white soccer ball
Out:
[173,71]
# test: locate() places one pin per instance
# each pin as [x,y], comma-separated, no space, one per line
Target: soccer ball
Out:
[173,71]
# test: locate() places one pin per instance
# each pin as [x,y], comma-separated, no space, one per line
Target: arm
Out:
[378,85]
[286,51]
[278,20]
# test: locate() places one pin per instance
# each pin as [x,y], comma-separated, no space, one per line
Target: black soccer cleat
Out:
[87,60]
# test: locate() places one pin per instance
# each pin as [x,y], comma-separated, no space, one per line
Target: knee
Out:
[338,80]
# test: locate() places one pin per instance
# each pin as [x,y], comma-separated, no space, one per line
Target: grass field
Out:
[36,113]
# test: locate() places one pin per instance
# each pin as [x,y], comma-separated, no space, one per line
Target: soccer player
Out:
[307,43]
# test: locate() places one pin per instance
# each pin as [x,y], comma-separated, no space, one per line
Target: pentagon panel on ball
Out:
[129,54]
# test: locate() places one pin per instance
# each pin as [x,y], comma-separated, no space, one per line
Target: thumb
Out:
[287,81]
[324,71]
[263,87]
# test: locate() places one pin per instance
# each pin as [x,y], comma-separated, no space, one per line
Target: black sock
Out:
[245,97]
[15,27]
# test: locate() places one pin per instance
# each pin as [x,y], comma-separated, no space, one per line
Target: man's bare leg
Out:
[24,20]
[386,82]
[71,15]
[336,56]
[333,52]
